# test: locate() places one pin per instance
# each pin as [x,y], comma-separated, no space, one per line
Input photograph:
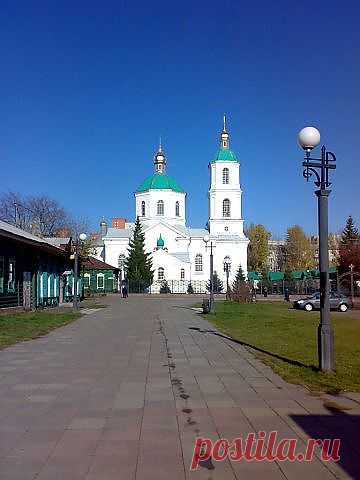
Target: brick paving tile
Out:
[124,392]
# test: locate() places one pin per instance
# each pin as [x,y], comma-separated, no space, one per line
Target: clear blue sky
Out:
[87,87]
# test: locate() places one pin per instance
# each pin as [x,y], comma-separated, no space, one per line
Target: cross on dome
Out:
[224,137]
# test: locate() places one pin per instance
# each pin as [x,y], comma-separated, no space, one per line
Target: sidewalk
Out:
[123,393]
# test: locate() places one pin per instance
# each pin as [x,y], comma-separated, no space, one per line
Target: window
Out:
[143,209]
[225,175]
[11,278]
[2,274]
[161,273]
[226,229]
[160,207]
[226,208]
[227,262]
[182,274]
[177,209]
[87,280]
[100,280]
[198,263]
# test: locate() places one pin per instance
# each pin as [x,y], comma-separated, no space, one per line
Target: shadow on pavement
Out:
[258,349]
[339,425]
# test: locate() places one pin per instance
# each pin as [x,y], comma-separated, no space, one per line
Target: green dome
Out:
[159,181]
[160,242]
[224,155]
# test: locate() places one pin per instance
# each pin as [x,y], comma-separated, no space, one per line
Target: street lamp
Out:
[82,238]
[309,138]
[227,265]
[351,266]
[212,303]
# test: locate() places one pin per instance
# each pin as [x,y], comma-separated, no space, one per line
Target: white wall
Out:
[169,197]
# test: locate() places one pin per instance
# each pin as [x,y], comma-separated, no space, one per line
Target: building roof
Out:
[224,155]
[119,233]
[159,181]
[182,256]
[15,233]
[94,263]
[57,241]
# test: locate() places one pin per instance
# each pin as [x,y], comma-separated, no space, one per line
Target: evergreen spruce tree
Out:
[349,248]
[138,264]
[190,289]
[350,232]
[218,284]
[240,278]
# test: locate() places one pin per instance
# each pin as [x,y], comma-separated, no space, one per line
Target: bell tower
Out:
[225,216]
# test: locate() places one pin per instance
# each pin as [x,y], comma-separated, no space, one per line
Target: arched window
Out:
[227,263]
[225,175]
[161,273]
[177,209]
[198,263]
[160,207]
[182,274]
[143,209]
[226,207]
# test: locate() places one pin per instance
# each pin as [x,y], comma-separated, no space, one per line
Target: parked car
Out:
[337,302]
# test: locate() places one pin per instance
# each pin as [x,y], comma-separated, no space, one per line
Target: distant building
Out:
[99,277]
[179,254]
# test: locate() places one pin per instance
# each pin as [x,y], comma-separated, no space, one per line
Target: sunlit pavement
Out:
[123,392]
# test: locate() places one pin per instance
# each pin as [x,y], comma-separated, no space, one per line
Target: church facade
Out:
[179,253]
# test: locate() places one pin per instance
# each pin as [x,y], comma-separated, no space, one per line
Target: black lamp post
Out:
[227,266]
[212,302]
[309,138]
[82,238]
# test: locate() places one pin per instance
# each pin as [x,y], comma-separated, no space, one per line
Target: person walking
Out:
[124,292]
[287,295]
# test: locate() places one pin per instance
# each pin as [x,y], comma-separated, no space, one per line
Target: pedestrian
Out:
[124,292]
[265,292]
[287,295]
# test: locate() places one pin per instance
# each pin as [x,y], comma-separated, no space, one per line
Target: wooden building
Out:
[31,269]
[99,277]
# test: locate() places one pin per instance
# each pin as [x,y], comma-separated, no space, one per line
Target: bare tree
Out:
[39,215]
[47,215]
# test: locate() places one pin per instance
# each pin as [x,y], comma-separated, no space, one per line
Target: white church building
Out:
[179,253]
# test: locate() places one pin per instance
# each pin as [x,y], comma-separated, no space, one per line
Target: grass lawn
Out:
[24,326]
[284,332]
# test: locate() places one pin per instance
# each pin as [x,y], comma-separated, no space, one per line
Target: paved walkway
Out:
[123,392]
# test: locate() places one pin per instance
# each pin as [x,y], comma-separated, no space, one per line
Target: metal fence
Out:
[169,286]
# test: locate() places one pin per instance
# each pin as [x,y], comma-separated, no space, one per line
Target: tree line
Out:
[300,251]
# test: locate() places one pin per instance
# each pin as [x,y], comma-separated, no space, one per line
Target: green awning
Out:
[276,276]
[297,275]
[316,273]
[253,276]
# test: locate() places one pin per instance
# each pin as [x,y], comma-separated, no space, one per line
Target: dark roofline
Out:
[92,262]
[33,243]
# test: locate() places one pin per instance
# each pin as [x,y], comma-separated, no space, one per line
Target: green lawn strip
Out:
[25,326]
[284,332]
